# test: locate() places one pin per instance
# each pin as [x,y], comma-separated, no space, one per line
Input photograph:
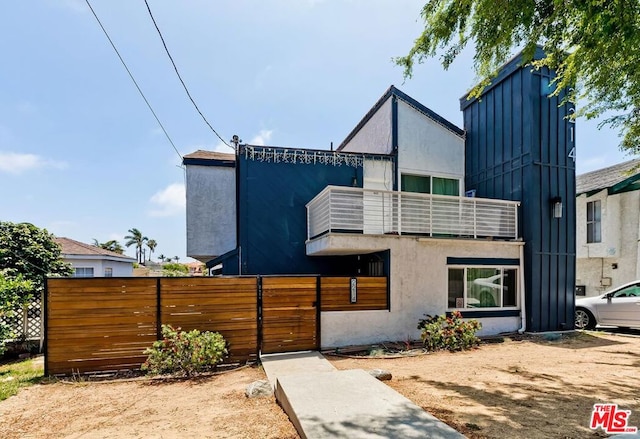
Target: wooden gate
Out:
[290,314]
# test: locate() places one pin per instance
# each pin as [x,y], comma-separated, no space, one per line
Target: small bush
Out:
[5,334]
[449,333]
[175,270]
[184,353]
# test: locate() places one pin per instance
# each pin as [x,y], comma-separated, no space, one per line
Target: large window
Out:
[594,217]
[483,287]
[83,272]
[425,184]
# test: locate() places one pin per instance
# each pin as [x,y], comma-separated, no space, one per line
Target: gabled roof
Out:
[618,178]
[71,247]
[209,158]
[393,91]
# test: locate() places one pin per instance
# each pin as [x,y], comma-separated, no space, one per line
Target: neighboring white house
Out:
[91,261]
[608,227]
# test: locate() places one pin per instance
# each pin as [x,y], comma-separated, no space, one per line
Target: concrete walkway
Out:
[323,402]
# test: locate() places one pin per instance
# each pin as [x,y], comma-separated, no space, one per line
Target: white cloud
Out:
[77,6]
[115,236]
[221,147]
[16,163]
[170,201]
[26,107]
[262,138]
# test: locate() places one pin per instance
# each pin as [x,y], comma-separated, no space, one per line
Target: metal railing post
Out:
[330,195]
[475,219]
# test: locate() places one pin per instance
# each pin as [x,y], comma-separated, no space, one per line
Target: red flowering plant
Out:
[449,333]
[184,353]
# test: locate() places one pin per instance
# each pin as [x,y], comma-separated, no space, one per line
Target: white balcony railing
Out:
[367,211]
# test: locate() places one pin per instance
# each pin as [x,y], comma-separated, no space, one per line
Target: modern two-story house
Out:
[477,219]
[608,227]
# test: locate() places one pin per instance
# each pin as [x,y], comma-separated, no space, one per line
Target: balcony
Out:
[339,209]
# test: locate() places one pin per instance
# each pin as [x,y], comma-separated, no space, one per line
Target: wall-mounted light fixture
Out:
[557,207]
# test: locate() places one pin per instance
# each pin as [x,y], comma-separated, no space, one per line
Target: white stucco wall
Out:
[378,174]
[120,268]
[427,148]
[211,211]
[419,285]
[620,233]
[375,136]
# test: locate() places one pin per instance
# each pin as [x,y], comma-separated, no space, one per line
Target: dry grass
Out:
[520,388]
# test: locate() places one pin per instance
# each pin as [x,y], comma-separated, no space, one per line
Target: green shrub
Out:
[15,292]
[5,334]
[176,269]
[449,333]
[184,353]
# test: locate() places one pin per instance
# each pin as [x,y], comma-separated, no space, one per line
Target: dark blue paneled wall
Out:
[518,147]
[273,218]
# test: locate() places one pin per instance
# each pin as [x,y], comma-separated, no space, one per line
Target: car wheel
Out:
[584,319]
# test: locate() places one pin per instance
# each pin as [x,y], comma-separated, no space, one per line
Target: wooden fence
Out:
[105,324]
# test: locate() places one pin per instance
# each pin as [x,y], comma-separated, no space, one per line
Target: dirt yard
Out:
[531,388]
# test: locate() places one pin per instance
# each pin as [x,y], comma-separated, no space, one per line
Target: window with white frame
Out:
[83,272]
[594,220]
[482,287]
[108,272]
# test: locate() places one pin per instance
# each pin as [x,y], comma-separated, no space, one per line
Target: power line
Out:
[134,80]
[166,49]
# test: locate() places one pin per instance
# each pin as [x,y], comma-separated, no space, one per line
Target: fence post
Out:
[44,324]
[259,313]
[42,304]
[318,310]
[158,310]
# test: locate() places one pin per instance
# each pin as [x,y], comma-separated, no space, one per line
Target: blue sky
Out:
[82,155]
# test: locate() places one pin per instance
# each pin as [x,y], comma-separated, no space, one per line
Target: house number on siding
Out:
[354,290]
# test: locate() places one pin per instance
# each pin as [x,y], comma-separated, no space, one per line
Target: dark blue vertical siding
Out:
[517,148]
[273,218]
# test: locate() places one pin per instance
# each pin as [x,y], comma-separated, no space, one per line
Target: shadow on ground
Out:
[538,406]
[573,340]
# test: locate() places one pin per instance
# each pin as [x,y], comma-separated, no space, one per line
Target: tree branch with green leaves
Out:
[593,46]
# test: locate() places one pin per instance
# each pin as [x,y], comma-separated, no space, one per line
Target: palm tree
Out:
[161,257]
[151,244]
[176,258]
[136,238]
[111,245]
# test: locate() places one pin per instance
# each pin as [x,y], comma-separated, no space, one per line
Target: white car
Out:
[618,307]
